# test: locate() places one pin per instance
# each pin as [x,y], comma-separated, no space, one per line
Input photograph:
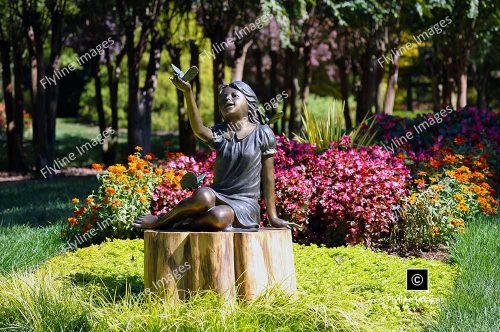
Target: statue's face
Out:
[232,104]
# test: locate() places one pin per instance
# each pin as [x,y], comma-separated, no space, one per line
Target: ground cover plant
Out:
[345,289]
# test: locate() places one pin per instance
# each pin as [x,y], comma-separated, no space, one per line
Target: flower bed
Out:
[426,192]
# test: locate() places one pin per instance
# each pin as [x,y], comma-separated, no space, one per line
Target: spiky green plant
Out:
[323,130]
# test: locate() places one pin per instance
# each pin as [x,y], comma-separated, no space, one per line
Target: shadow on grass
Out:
[41,202]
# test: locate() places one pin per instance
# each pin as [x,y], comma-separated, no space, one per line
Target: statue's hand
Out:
[280,223]
[145,221]
[180,84]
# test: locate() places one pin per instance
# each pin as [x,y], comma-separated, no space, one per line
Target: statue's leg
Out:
[199,202]
[218,218]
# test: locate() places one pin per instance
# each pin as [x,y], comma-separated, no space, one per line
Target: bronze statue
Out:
[245,146]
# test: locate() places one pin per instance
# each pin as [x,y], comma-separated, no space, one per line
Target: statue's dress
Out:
[237,171]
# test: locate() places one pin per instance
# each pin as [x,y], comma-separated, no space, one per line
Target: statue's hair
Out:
[251,98]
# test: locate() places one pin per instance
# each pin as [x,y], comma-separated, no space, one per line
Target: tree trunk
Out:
[448,84]
[409,94]
[392,81]
[367,85]
[20,164]
[114,73]
[344,90]
[462,87]
[8,97]
[295,121]
[99,104]
[229,263]
[135,119]
[182,118]
[190,142]
[436,105]
[52,91]
[240,54]
[149,89]
[40,118]
[304,92]
[194,51]
[217,73]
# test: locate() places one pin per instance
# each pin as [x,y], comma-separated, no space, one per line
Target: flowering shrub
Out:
[123,195]
[450,190]
[468,131]
[352,192]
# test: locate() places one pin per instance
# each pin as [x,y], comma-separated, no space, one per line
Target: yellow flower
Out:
[110,190]
[75,200]
[413,198]
[457,222]
[435,231]
[463,207]
[138,148]
[143,199]
[433,179]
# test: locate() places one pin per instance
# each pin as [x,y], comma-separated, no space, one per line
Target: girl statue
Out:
[245,146]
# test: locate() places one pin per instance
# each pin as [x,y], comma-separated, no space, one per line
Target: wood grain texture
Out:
[236,263]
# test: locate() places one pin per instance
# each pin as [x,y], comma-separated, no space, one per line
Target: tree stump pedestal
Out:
[229,263]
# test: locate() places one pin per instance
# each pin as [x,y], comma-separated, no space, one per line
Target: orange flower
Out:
[72,220]
[459,140]
[420,183]
[117,169]
[110,190]
[140,190]
[88,200]
[149,156]
[422,173]
[116,202]
[97,167]
[75,200]
[449,159]
[401,156]
[143,199]
[158,171]
[138,148]
[168,143]
[435,163]
[105,200]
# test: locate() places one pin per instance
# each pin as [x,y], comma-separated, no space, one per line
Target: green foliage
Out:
[474,303]
[321,131]
[345,289]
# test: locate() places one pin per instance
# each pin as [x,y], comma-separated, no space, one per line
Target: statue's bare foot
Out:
[146,221]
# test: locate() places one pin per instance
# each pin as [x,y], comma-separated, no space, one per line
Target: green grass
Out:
[474,304]
[340,289]
[31,215]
